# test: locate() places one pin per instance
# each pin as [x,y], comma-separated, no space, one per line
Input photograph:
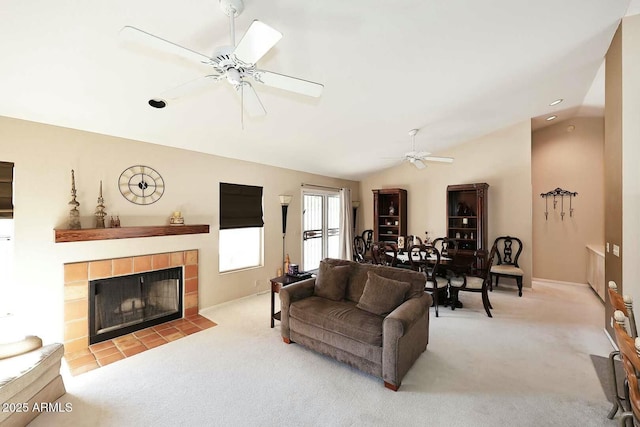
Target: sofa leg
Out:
[391,386]
[286,340]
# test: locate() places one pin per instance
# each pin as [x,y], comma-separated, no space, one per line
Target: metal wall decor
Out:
[558,192]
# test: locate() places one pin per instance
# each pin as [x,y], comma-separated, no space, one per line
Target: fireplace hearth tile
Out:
[190,271]
[110,359]
[143,333]
[104,353]
[101,346]
[203,322]
[155,343]
[128,352]
[191,285]
[167,331]
[153,336]
[174,336]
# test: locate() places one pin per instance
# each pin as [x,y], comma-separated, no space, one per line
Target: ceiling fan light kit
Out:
[235,63]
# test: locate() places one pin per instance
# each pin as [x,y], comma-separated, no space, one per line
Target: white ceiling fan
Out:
[236,63]
[417,158]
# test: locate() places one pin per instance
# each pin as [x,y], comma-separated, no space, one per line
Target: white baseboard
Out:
[535,279]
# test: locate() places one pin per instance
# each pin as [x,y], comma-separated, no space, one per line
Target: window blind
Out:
[240,206]
[6,190]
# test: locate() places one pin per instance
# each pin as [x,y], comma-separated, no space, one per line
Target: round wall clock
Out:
[141,185]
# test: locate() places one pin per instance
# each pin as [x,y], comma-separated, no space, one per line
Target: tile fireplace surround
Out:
[76,297]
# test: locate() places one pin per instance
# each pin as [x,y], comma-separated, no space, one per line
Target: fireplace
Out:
[124,304]
[78,275]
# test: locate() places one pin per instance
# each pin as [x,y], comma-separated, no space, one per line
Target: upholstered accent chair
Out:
[29,374]
[507,265]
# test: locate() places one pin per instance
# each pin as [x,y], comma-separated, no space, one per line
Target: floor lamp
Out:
[284,201]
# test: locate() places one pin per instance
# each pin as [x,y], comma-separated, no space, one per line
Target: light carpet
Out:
[529,365]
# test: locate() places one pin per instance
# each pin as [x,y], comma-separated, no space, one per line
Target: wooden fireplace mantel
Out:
[87,234]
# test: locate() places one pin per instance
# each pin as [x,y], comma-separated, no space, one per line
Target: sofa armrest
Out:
[405,334]
[25,345]
[290,293]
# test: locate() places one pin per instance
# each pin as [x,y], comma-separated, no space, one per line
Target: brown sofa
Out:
[374,318]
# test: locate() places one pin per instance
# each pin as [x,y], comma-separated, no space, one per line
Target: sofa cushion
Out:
[331,281]
[358,279]
[341,317]
[381,295]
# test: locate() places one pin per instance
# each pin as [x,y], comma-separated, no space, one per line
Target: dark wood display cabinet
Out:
[467,216]
[389,214]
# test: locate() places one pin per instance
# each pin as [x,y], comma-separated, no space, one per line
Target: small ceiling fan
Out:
[236,63]
[417,158]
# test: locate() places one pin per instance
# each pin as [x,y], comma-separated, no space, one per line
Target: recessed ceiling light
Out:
[551,118]
[556,102]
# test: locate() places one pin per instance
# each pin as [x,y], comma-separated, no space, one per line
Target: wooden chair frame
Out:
[504,251]
[430,269]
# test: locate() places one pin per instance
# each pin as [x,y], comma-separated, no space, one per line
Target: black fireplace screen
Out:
[121,305]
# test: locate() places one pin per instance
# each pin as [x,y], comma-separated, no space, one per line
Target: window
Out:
[320,227]
[240,243]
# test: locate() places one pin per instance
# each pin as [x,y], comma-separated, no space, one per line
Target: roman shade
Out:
[6,190]
[240,206]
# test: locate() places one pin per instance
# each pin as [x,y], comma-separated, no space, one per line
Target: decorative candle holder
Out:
[74,214]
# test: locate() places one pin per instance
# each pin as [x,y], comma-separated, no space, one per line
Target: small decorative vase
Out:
[392,209]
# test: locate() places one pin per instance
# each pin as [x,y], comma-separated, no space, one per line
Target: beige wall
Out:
[501,159]
[572,160]
[613,165]
[622,151]
[44,156]
[630,248]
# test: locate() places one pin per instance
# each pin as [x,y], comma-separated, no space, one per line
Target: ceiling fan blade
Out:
[256,42]
[250,100]
[418,164]
[137,35]
[289,83]
[189,87]
[438,159]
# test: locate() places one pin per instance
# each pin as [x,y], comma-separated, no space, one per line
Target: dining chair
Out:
[359,249]
[444,245]
[426,258]
[367,235]
[380,254]
[507,265]
[624,304]
[630,353]
[473,277]
[412,240]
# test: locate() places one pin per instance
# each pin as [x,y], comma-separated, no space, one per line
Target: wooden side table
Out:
[276,284]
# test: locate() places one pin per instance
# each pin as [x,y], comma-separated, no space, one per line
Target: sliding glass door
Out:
[320,227]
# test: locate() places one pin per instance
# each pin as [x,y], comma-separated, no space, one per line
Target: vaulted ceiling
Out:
[454,69]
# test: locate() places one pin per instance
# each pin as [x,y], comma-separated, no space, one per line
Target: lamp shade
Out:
[355,204]
[285,199]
